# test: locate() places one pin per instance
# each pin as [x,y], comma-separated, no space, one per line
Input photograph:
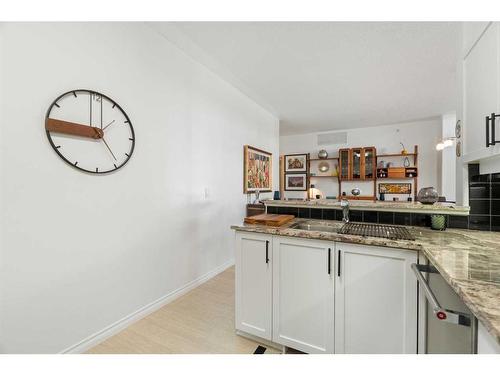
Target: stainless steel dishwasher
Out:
[451,328]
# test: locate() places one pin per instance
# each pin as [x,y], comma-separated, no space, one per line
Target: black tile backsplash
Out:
[479,222]
[484,200]
[370,217]
[383,217]
[479,206]
[479,190]
[316,213]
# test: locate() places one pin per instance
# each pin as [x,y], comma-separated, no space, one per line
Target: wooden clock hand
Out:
[71,128]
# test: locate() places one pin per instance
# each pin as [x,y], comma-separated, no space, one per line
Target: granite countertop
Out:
[468,260]
[436,208]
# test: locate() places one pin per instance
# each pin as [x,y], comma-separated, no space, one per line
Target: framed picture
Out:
[396,188]
[296,182]
[296,163]
[257,170]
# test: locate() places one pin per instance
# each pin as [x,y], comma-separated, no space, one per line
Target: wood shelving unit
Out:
[413,169]
[408,170]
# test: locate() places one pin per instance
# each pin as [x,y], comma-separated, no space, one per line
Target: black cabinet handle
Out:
[329,260]
[338,264]
[267,251]
[490,130]
[487,131]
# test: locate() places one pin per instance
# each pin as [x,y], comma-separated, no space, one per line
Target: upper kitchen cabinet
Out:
[254,284]
[375,300]
[481,83]
[357,163]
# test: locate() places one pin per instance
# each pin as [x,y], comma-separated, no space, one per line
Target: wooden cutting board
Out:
[272,220]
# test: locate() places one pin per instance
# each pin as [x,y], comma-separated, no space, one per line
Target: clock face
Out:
[90,131]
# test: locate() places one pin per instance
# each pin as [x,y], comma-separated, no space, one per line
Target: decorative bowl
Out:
[322,154]
[323,166]
[428,195]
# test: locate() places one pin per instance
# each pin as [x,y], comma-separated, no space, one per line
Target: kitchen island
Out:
[468,260]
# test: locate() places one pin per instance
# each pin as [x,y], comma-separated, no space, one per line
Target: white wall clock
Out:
[90,131]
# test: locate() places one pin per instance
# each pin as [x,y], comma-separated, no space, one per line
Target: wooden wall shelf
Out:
[324,159]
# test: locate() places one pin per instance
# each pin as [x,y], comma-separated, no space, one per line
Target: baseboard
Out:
[123,323]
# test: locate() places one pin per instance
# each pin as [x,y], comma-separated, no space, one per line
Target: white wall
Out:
[79,252]
[386,139]
[448,159]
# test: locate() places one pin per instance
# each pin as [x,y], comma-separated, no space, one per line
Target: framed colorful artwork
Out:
[257,172]
[395,188]
[296,182]
[296,163]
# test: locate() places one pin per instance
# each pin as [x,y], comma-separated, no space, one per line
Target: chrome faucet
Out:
[344,203]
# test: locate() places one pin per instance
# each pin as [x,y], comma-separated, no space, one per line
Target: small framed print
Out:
[257,170]
[296,182]
[296,163]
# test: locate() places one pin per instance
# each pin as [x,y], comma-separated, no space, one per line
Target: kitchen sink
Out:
[315,227]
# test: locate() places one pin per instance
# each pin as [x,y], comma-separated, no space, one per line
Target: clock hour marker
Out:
[76,163]
[97,169]
[127,154]
[114,105]
[57,105]
[58,146]
[126,121]
[74,93]
[115,166]
[131,139]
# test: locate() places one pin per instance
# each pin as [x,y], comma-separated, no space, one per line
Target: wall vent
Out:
[337,138]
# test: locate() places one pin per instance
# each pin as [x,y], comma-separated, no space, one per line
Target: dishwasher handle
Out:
[445,315]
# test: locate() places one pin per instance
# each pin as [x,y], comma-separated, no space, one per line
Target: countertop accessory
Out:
[428,195]
[356,191]
[276,196]
[257,197]
[438,222]
[377,230]
[323,166]
[257,170]
[88,145]
[406,162]
[272,220]
[322,154]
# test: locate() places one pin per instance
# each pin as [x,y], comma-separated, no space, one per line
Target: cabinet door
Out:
[369,163]
[480,89]
[375,300]
[356,163]
[344,164]
[254,284]
[303,300]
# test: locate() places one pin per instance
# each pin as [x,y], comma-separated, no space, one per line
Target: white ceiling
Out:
[320,76]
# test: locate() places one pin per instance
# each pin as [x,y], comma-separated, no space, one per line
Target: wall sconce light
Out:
[446,142]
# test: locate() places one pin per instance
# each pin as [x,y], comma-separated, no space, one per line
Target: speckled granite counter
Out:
[468,260]
[414,207]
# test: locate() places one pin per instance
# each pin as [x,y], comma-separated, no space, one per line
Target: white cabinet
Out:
[486,343]
[254,284]
[303,294]
[375,300]
[481,84]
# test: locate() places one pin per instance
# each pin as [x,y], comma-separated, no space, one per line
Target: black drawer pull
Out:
[329,260]
[267,251]
[338,264]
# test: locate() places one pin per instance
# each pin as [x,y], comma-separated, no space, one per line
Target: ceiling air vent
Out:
[337,138]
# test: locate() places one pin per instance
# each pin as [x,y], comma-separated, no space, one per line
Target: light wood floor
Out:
[201,321]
